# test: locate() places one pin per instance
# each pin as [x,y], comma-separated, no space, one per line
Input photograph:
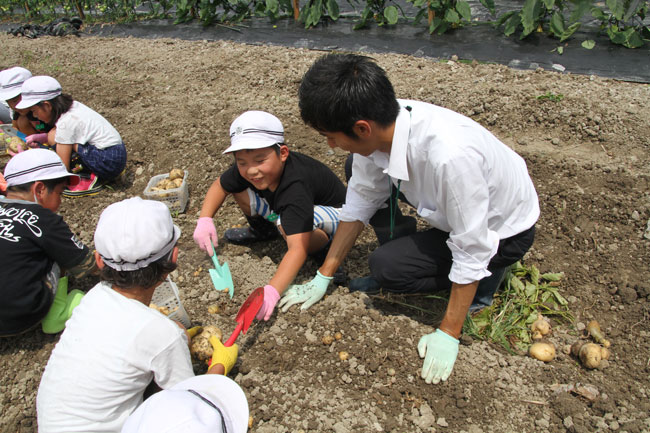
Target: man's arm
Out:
[460,300]
[344,238]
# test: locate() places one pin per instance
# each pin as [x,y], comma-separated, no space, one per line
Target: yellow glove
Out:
[227,356]
[195,330]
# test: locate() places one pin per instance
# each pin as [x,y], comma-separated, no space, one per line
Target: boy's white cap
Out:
[210,403]
[37,89]
[134,232]
[255,130]
[11,81]
[35,164]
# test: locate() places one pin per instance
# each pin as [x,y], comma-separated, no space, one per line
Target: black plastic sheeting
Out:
[480,42]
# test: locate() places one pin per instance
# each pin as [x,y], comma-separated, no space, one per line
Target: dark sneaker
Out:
[367,285]
[247,235]
[83,186]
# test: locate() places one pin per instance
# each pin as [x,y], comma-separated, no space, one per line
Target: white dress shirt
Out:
[459,177]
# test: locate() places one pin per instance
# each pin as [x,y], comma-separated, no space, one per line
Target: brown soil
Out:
[588,154]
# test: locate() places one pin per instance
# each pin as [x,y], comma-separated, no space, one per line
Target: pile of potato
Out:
[173,181]
[15,143]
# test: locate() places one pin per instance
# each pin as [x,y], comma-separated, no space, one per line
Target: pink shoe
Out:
[83,186]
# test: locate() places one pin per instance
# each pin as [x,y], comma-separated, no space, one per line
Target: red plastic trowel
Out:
[246,314]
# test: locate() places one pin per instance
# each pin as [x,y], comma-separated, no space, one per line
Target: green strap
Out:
[393,205]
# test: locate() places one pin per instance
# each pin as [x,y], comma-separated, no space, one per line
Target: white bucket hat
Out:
[37,89]
[35,164]
[11,81]
[255,130]
[133,233]
[210,403]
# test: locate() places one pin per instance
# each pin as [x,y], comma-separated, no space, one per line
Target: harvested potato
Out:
[201,347]
[164,310]
[327,339]
[176,173]
[540,327]
[175,183]
[590,354]
[162,184]
[593,328]
[542,351]
[16,143]
[343,355]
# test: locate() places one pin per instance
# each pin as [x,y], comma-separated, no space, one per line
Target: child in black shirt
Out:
[280,192]
[36,245]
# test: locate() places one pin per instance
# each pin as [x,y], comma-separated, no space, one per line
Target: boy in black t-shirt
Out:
[280,192]
[35,245]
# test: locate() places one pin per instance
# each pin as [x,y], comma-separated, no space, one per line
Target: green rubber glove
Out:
[439,351]
[308,294]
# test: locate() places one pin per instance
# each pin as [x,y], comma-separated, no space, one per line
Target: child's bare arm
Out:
[292,261]
[64,151]
[214,198]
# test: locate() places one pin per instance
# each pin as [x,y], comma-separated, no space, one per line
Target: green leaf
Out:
[548,4]
[549,276]
[569,31]
[529,17]
[599,14]
[588,44]
[517,284]
[560,50]
[489,5]
[616,7]
[531,289]
[333,9]
[391,14]
[464,10]
[451,16]
[581,8]
[512,24]
[503,18]
[557,24]
[272,6]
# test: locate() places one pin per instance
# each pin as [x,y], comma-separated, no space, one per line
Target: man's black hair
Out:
[60,104]
[340,89]
[144,278]
[50,184]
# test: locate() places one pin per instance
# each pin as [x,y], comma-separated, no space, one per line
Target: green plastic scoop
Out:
[221,277]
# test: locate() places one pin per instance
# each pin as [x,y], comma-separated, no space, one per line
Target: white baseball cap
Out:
[255,130]
[11,81]
[37,89]
[210,403]
[35,164]
[133,233]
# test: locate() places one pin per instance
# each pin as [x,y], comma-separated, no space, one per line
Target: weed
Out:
[551,97]
[525,293]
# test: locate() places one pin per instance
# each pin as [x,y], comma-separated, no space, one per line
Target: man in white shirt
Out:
[473,190]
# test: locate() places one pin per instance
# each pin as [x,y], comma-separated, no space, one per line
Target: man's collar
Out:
[397,166]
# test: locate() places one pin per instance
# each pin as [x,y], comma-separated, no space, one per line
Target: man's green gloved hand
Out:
[439,351]
[308,294]
[226,356]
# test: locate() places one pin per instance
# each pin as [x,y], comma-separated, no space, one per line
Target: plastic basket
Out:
[166,295]
[175,199]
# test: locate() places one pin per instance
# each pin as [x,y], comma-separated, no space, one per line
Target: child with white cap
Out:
[114,345]
[36,245]
[201,404]
[11,81]
[77,130]
[276,189]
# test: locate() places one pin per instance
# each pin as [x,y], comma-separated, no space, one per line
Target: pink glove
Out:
[204,233]
[271,297]
[34,139]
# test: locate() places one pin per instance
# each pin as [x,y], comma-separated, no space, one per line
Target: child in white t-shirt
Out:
[78,131]
[114,345]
